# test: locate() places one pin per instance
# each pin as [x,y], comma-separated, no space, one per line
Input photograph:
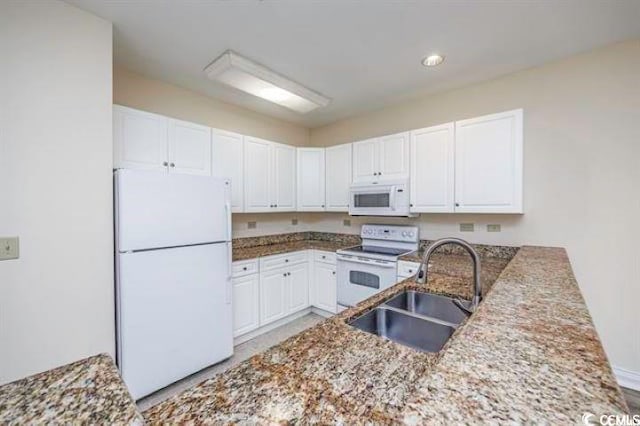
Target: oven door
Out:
[360,278]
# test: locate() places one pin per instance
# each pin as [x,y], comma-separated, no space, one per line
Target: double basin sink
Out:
[422,321]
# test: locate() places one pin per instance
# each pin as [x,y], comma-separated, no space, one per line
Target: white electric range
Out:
[372,267]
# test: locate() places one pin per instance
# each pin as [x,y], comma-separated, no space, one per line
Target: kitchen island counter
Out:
[529,354]
[89,391]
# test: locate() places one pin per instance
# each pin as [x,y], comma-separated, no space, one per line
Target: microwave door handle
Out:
[392,198]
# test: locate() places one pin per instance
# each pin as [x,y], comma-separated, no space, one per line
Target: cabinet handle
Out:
[284,275]
[457,204]
[172,165]
[322,206]
[410,205]
[375,173]
[324,257]
[333,272]
[165,164]
[379,173]
[244,268]
[286,260]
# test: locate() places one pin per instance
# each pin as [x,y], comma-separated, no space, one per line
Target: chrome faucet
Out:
[477,286]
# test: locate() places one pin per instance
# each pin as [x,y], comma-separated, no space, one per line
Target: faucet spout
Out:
[477,286]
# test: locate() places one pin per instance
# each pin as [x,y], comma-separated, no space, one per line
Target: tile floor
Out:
[243,351]
[248,349]
[633,400]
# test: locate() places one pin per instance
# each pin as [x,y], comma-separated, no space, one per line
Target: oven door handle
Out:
[370,263]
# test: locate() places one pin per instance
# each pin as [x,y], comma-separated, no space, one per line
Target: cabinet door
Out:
[228,161]
[246,304]
[432,169]
[140,139]
[394,157]
[189,148]
[324,287]
[297,288]
[338,177]
[365,161]
[273,305]
[488,158]
[311,179]
[257,175]
[284,172]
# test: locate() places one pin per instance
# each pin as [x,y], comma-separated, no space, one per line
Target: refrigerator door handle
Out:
[227,207]
[229,290]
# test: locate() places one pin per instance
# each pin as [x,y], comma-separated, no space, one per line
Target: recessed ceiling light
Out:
[242,73]
[433,60]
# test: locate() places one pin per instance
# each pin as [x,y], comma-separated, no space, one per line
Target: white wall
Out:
[582,174]
[56,301]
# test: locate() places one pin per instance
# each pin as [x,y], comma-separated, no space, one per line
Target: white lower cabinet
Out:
[297,288]
[271,288]
[272,295]
[324,287]
[246,304]
[284,285]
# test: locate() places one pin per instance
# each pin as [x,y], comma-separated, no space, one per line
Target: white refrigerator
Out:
[173,276]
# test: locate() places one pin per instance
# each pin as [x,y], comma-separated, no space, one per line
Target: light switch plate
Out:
[466,227]
[252,225]
[294,221]
[494,227]
[9,248]
[346,222]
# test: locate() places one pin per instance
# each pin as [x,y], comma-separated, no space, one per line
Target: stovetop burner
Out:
[368,249]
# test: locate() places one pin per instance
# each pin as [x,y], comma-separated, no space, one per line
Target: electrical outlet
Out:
[346,222]
[493,228]
[294,221]
[9,248]
[252,225]
[466,227]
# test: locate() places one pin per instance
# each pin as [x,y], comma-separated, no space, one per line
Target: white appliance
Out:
[173,276]
[372,267]
[380,199]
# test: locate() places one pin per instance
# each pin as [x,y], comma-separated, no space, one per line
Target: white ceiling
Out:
[363,55]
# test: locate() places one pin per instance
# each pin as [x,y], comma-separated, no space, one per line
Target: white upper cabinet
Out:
[432,169]
[227,153]
[311,179]
[148,141]
[381,159]
[394,157]
[257,175]
[189,148]
[365,160]
[338,177]
[140,139]
[284,170]
[269,176]
[488,156]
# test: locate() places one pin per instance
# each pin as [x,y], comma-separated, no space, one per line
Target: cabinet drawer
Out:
[278,261]
[324,256]
[244,267]
[407,269]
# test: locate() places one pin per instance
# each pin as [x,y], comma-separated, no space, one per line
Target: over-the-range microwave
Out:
[380,199]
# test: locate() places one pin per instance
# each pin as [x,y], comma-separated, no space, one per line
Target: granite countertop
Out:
[89,391]
[244,253]
[529,354]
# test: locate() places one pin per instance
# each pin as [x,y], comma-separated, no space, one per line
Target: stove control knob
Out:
[404,233]
[411,234]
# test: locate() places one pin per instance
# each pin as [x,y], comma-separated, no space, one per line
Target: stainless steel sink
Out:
[430,305]
[405,328]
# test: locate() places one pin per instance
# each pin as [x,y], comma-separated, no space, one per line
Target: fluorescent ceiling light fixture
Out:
[433,60]
[237,71]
